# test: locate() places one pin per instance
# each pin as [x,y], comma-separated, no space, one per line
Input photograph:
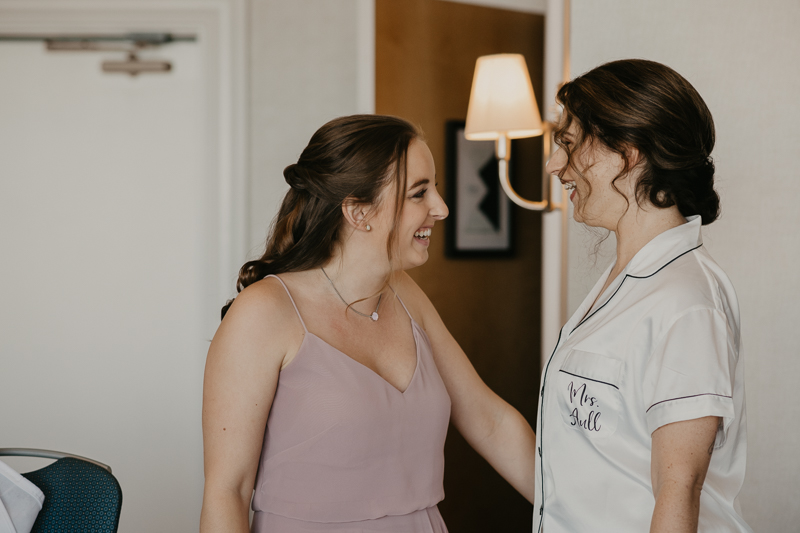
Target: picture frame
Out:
[480,224]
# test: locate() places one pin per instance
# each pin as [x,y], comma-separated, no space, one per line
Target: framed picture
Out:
[480,221]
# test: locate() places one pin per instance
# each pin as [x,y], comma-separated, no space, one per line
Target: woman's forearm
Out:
[224,512]
[677,509]
[511,450]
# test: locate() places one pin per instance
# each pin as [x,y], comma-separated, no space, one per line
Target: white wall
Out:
[742,57]
[126,389]
[115,193]
[304,70]
[106,203]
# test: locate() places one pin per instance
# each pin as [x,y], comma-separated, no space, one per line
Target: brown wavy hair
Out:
[635,103]
[352,158]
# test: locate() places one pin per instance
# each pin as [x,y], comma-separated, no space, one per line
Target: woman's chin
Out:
[419,259]
[579,215]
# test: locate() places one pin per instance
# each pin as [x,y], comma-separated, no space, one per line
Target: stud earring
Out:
[368,227]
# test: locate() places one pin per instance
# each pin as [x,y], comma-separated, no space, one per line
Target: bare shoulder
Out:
[417,302]
[260,322]
[241,376]
[264,303]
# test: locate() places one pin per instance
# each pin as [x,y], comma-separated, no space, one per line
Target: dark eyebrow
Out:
[422,181]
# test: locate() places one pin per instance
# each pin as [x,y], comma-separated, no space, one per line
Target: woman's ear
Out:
[633,156]
[356,213]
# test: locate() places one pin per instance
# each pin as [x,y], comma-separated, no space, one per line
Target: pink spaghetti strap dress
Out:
[345,451]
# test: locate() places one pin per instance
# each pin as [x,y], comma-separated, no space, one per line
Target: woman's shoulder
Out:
[692,283]
[414,298]
[718,286]
[263,296]
[257,331]
[700,281]
[264,306]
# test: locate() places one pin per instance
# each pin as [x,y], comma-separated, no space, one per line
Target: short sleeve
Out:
[690,373]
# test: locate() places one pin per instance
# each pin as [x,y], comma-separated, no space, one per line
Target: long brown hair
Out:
[351,158]
[635,103]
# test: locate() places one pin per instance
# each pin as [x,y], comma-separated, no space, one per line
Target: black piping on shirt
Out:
[590,379]
[684,397]
[544,382]
[541,429]
[634,277]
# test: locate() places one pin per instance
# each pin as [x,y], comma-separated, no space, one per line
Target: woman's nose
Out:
[439,210]
[556,163]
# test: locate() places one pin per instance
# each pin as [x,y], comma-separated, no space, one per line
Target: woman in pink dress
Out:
[331,380]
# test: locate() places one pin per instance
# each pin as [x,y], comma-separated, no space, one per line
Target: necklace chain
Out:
[373,316]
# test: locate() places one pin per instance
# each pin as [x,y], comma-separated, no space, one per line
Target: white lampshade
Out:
[502,100]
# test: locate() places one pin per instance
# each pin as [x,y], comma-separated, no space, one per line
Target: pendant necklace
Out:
[373,316]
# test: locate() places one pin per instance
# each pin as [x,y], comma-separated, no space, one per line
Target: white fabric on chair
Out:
[20,501]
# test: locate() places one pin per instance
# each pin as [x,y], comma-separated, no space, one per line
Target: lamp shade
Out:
[501,101]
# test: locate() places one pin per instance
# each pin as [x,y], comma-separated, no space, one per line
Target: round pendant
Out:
[374,316]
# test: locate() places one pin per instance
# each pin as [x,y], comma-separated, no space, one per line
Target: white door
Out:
[109,209]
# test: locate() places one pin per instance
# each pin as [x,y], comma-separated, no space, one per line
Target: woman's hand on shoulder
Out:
[241,376]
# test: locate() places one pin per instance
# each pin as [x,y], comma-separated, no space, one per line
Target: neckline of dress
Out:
[414,328]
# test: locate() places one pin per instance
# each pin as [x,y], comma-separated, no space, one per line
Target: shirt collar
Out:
[666,247]
[655,255]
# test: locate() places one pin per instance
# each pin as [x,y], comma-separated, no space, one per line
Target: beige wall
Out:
[742,57]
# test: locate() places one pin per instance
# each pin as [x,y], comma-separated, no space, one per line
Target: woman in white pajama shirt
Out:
[642,421]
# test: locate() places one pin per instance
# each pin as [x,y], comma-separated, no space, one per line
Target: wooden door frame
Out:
[221,27]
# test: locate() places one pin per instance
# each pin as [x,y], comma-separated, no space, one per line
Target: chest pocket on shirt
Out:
[588,393]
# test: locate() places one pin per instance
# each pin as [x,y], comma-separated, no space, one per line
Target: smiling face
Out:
[422,207]
[591,172]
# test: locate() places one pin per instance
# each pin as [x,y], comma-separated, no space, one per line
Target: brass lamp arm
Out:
[502,149]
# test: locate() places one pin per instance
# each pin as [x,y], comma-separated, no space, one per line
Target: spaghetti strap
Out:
[292,300]
[401,302]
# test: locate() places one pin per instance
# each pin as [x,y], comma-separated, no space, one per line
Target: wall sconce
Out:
[502,107]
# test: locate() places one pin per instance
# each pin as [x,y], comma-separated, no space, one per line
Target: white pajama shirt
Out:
[661,345]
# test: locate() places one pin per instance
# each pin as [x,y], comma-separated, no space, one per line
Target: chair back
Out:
[78,496]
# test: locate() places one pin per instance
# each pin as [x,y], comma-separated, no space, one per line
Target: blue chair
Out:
[80,495]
